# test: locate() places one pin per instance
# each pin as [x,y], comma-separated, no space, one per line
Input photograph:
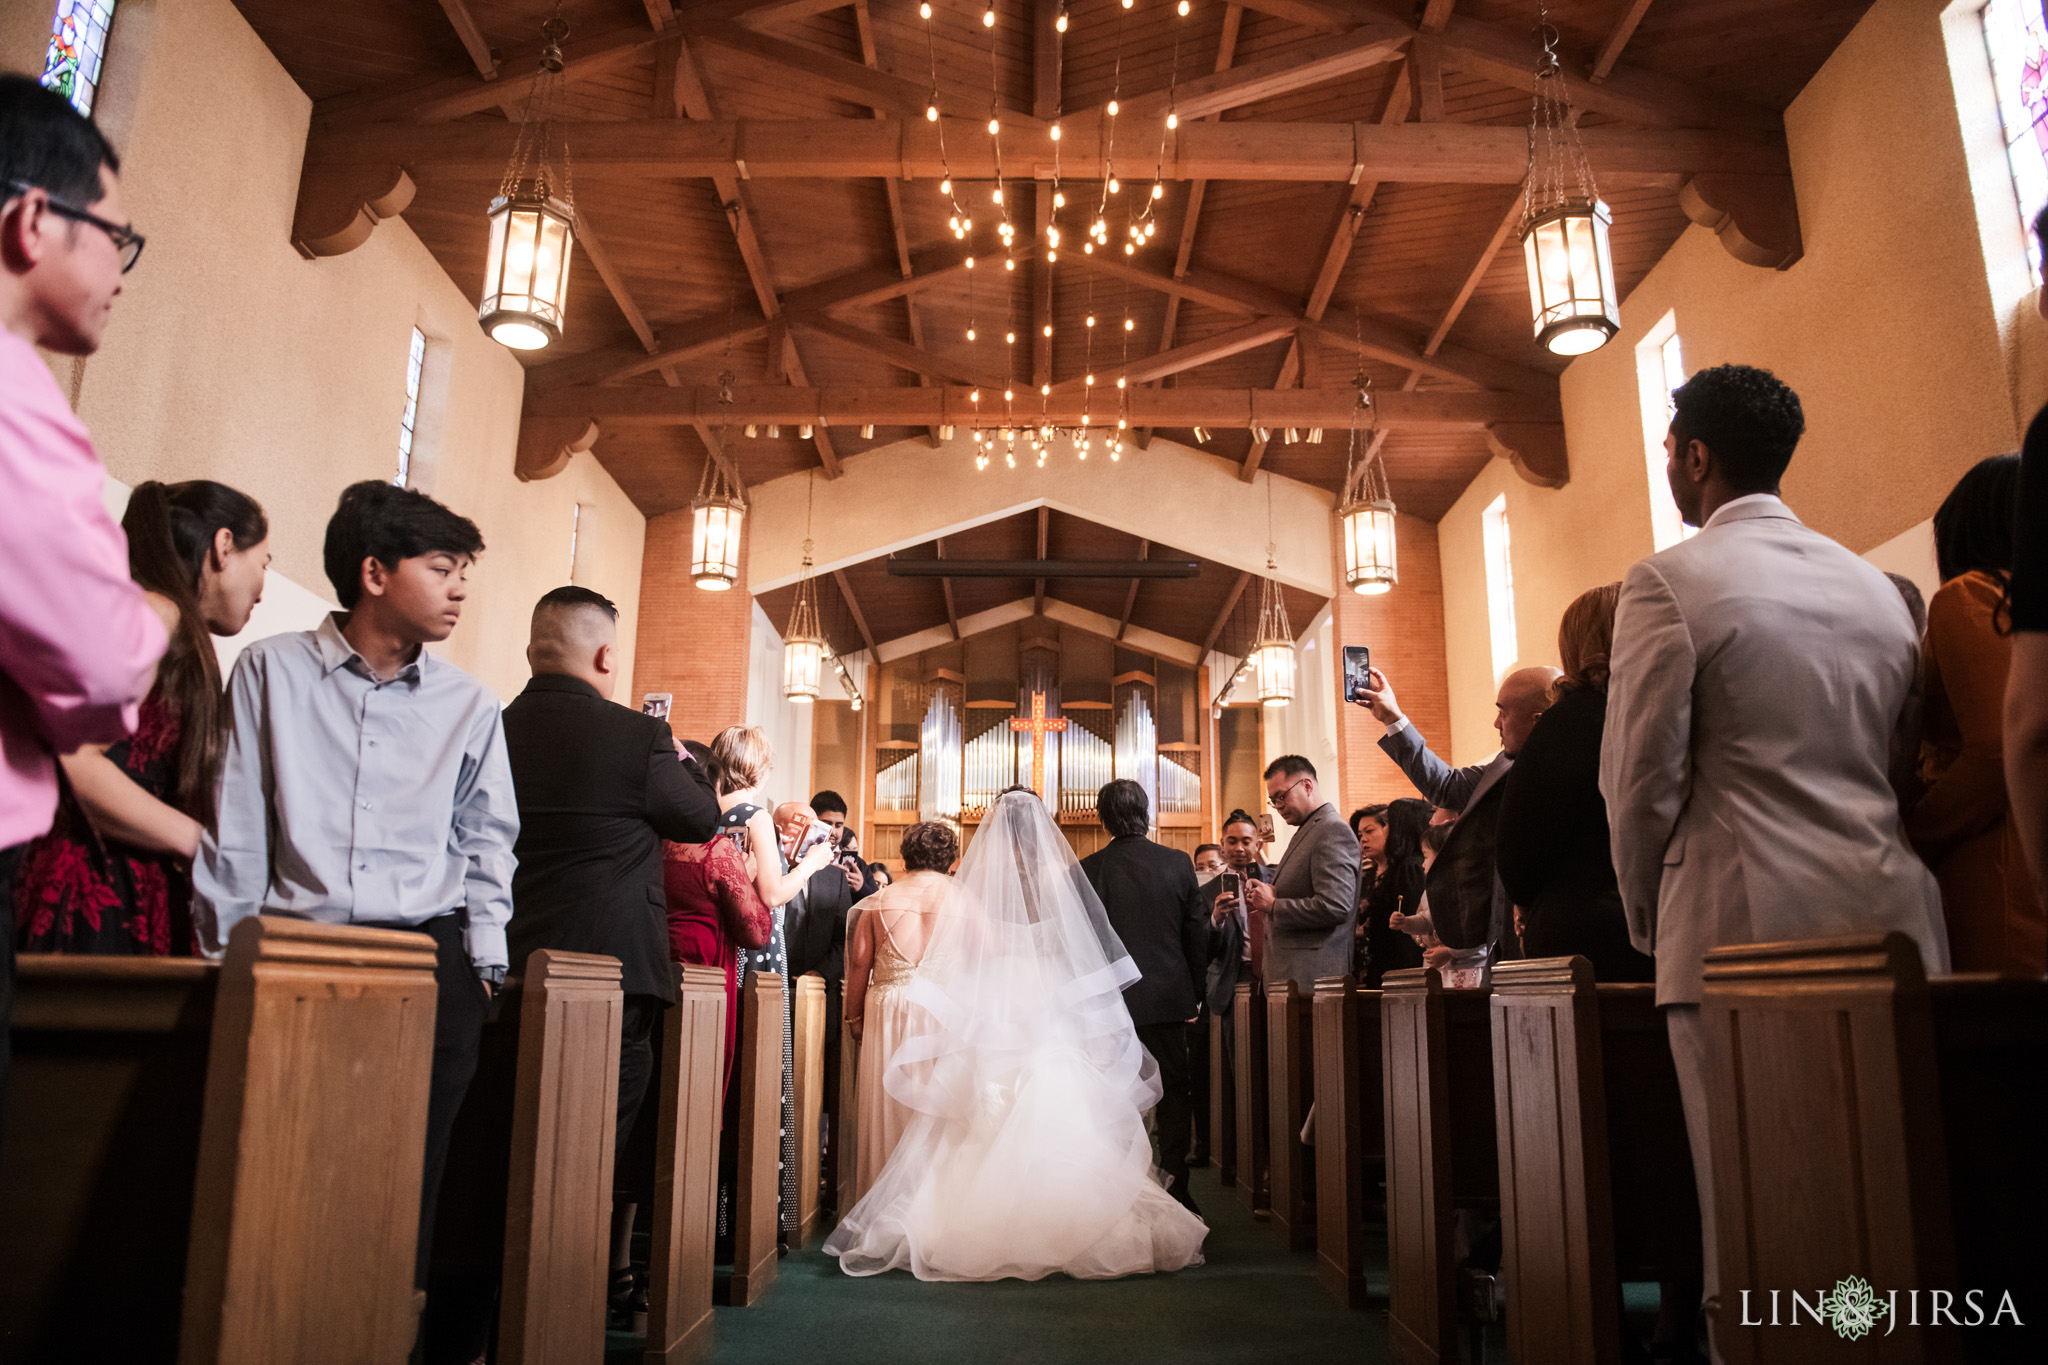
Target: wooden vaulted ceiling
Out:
[765,206]
[864,606]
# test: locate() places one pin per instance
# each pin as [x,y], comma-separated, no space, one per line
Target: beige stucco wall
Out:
[230,357]
[1911,366]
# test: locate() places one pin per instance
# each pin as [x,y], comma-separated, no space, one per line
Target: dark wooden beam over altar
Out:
[1044,568]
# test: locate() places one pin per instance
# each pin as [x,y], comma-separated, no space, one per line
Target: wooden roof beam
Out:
[946,590]
[1255,454]
[622,405]
[614,151]
[1252,335]
[1435,14]
[864,27]
[1123,623]
[714,446]
[1394,107]
[860,620]
[473,42]
[1244,578]
[914,359]
[1617,39]
[601,261]
[1369,45]
[1038,585]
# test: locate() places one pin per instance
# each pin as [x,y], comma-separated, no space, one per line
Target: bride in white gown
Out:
[1026,1153]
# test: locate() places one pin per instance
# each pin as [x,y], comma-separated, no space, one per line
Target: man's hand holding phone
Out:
[1379,698]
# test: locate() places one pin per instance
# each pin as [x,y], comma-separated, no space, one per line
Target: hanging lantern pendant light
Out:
[1273,655]
[1365,516]
[716,516]
[1564,230]
[533,219]
[803,645]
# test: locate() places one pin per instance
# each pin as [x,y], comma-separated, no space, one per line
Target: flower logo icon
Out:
[1853,1308]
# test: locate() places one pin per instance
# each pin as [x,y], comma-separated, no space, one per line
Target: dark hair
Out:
[1200,849]
[573,596]
[929,846]
[47,143]
[381,521]
[170,529]
[1378,813]
[828,800]
[1748,418]
[1123,809]
[1289,765]
[1406,819]
[2041,236]
[1239,817]
[1916,604]
[1974,524]
[1434,837]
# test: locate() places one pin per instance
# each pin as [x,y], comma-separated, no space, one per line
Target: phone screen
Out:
[1357,671]
[1266,825]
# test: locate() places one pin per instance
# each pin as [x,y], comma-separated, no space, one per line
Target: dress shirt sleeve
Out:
[75,633]
[1333,882]
[1646,751]
[231,875]
[680,804]
[486,828]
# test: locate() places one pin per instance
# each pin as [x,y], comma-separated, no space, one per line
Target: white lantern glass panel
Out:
[1571,278]
[1368,536]
[1274,664]
[715,543]
[526,278]
[802,664]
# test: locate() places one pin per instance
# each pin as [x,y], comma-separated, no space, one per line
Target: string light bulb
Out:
[1115,186]
[988,18]
[1059,200]
[1048,329]
[1158,192]
[994,127]
[1009,264]
[1011,338]
[1091,319]
[1184,8]
[1112,108]
[997,196]
[1128,324]
[924,11]
[1055,132]
[931,113]
[946,186]
[1060,23]
[1172,122]
[970,334]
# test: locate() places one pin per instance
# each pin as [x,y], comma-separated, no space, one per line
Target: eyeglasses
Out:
[1280,800]
[126,240]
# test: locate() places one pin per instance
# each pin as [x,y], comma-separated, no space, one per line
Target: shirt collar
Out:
[1750,506]
[337,652]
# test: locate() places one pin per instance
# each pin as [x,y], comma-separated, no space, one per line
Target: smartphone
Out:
[1266,826]
[657,704]
[816,833]
[1233,885]
[1357,671]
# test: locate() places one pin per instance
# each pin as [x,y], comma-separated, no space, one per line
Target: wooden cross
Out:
[1038,725]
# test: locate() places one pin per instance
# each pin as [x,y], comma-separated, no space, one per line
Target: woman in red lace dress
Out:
[113,875]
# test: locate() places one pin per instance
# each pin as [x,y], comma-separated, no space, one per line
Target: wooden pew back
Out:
[1290,1070]
[1249,1090]
[810,1096]
[759,1080]
[684,1219]
[1222,1104]
[559,1195]
[1438,1070]
[1350,1149]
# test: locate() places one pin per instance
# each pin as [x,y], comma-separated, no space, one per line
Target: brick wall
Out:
[692,643]
[1405,630]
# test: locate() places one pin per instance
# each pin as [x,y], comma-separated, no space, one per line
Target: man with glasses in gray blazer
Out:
[1312,903]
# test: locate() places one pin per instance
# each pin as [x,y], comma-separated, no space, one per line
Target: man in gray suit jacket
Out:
[1313,900]
[1759,670]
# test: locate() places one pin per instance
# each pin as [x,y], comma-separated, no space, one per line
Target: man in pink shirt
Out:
[77,641]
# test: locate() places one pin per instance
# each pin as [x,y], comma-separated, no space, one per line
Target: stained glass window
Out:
[415,361]
[2018,38]
[78,43]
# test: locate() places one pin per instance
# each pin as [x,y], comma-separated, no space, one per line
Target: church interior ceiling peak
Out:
[753,198]
[864,605]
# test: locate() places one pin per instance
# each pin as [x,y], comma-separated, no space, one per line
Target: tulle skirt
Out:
[1049,1172]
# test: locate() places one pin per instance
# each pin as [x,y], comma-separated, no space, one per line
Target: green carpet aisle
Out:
[1252,1302]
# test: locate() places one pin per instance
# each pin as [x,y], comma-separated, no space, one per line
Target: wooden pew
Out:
[1596,1178]
[243,1142]
[810,1097]
[758,1078]
[1249,1061]
[1350,1147]
[558,1200]
[1290,1070]
[846,1137]
[1438,1066]
[684,1217]
[1920,1121]
[1222,1104]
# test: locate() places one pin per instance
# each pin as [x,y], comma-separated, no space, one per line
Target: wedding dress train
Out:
[1026,1153]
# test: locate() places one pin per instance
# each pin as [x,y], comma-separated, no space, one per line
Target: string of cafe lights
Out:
[1141,225]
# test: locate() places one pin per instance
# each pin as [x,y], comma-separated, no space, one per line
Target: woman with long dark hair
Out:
[113,875]
[1393,841]
[1962,824]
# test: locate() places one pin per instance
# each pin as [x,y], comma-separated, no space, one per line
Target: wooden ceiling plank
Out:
[1255,455]
[1045,58]
[601,261]
[1244,578]
[614,151]
[1123,622]
[1394,107]
[1435,14]
[628,405]
[860,620]
[821,72]
[1367,46]
[473,41]
[660,14]
[912,358]
[1426,77]
[893,192]
[1510,220]
[1617,39]
[1187,357]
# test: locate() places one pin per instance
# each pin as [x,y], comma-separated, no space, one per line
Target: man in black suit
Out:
[600,786]
[1157,910]
[816,934]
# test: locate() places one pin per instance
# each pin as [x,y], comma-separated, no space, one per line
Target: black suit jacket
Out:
[599,788]
[814,925]
[1156,908]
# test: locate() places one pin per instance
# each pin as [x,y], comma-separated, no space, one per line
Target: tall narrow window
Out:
[2018,38]
[1660,368]
[415,361]
[78,43]
[1500,586]
[575,530]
